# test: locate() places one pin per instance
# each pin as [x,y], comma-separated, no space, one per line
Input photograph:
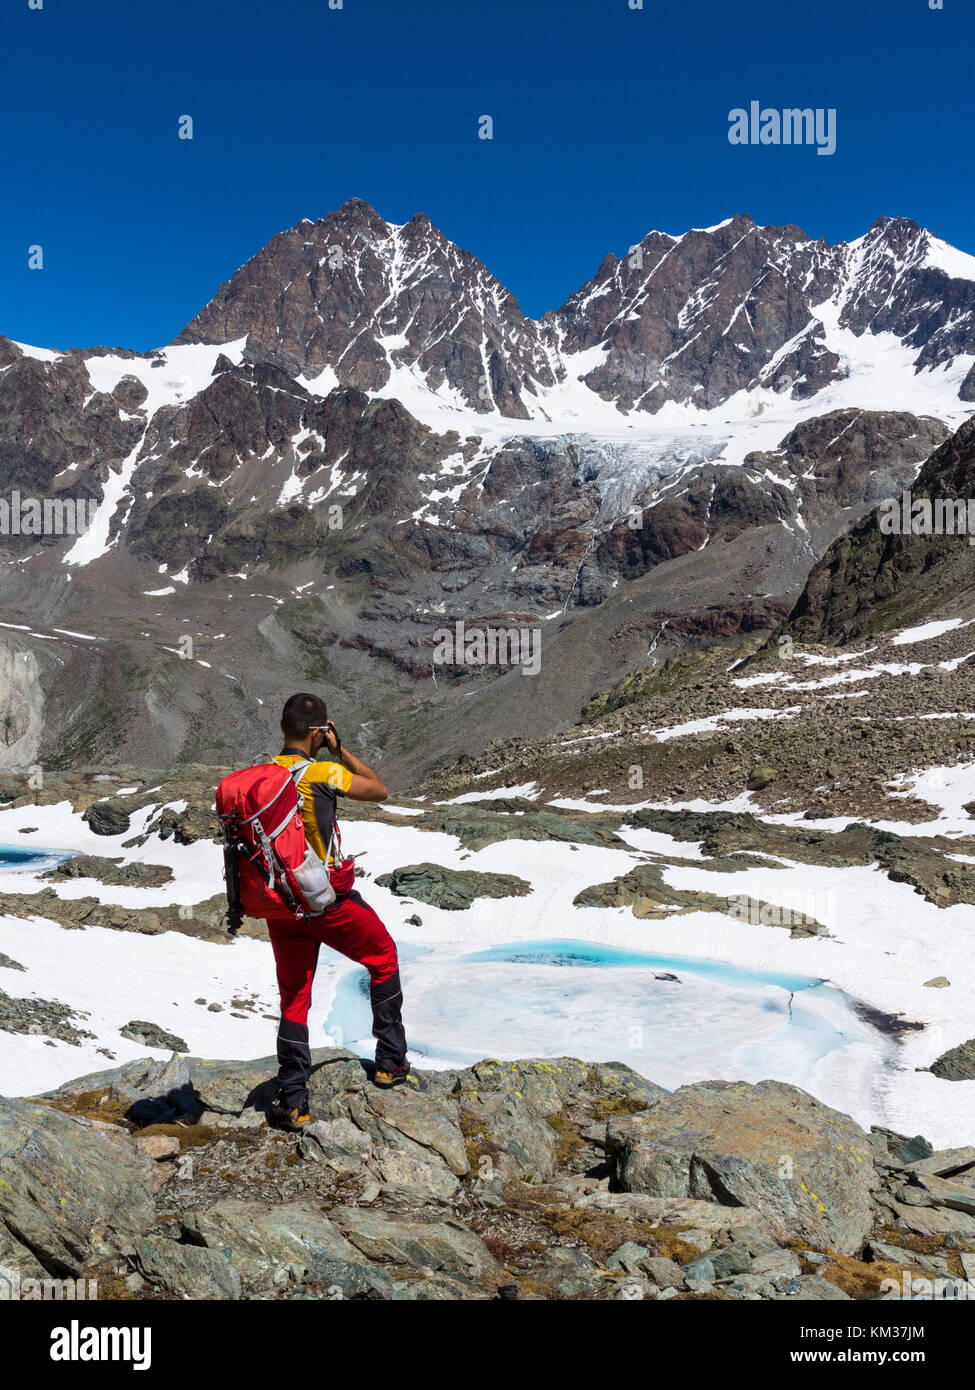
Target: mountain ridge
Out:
[248,498]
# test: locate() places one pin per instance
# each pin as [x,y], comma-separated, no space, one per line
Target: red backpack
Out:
[270,869]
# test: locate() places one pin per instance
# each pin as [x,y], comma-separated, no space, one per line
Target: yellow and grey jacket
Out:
[319,786]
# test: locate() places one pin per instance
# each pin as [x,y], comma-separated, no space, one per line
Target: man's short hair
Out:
[301,714]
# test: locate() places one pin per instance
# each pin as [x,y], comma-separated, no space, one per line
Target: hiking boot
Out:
[386,1080]
[291,1118]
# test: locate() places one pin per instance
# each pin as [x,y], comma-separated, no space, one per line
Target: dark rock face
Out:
[870,580]
[826,468]
[698,317]
[958,1064]
[692,318]
[453,889]
[352,281]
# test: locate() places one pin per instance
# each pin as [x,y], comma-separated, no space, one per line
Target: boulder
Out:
[958,1064]
[110,817]
[702,1218]
[571,1273]
[946,1163]
[153,1090]
[551,1083]
[158,1146]
[443,1245]
[70,1191]
[407,1177]
[231,1087]
[452,889]
[338,1143]
[953,1196]
[262,1239]
[431,1124]
[436,1288]
[188,1271]
[820,1290]
[111,871]
[507,1129]
[806,1168]
[151,1035]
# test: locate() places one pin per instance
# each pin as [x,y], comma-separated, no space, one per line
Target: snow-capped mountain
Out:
[690,319]
[696,318]
[353,300]
[361,438]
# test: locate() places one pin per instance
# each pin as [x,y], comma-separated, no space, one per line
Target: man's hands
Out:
[330,739]
[365,785]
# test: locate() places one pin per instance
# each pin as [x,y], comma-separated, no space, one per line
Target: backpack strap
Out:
[296,771]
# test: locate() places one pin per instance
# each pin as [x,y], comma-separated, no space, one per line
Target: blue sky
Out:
[608,122]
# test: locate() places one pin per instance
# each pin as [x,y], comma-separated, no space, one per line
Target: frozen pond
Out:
[671,1018]
[15,858]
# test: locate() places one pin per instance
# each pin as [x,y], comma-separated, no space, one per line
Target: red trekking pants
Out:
[353,929]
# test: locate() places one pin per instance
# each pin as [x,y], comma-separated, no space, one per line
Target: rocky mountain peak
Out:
[357,301]
[359,298]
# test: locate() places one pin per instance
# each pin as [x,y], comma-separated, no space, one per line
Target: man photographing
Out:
[349,926]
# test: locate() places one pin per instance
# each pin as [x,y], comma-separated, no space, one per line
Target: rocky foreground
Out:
[530,1179]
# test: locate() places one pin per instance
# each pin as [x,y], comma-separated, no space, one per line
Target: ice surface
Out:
[672,1019]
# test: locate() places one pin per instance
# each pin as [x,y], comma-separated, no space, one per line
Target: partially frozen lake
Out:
[673,1019]
[15,857]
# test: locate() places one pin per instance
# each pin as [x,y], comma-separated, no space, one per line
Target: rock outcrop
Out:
[538,1179]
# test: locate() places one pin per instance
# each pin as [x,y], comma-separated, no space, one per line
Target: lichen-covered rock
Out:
[452,889]
[806,1168]
[442,1245]
[70,1191]
[486,1181]
[261,1240]
[958,1064]
[431,1124]
[510,1133]
[188,1271]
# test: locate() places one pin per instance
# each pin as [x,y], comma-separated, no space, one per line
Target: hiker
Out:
[349,926]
